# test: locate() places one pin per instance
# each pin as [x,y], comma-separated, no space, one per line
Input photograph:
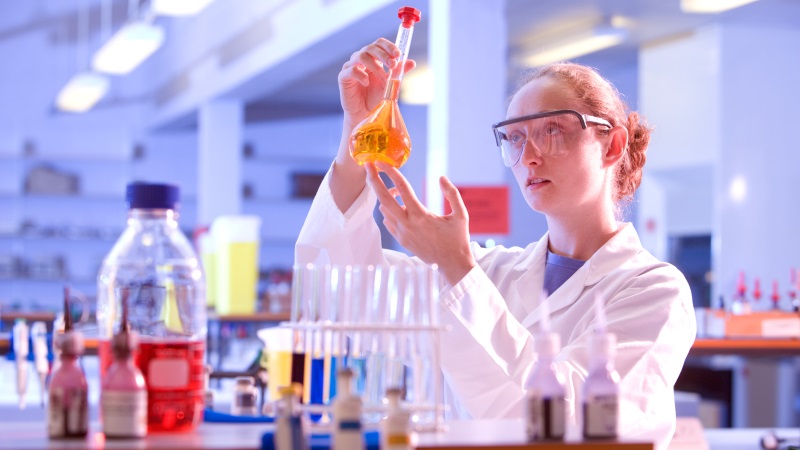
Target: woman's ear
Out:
[616,147]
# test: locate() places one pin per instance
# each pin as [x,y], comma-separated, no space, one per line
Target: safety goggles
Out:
[552,133]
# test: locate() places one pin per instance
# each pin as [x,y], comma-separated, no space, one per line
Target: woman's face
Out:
[561,183]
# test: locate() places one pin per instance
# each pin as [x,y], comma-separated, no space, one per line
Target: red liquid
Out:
[174,375]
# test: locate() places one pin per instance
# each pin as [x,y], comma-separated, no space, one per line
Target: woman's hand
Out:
[443,240]
[362,85]
[362,80]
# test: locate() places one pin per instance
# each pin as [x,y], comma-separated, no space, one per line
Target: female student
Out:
[577,155]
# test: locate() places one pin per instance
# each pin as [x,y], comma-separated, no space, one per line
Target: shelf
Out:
[753,347]
[254,317]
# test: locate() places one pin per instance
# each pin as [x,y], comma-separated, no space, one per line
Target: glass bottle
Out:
[154,261]
[601,390]
[123,394]
[546,395]
[383,136]
[244,397]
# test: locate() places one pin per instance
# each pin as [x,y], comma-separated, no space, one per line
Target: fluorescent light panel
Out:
[711,6]
[82,92]
[128,48]
[599,39]
[179,7]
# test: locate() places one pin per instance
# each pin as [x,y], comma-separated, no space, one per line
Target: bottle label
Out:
[600,416]
[124,413]
[546,418]
[67,412]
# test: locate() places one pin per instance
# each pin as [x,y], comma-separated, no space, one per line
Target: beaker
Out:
[383,136]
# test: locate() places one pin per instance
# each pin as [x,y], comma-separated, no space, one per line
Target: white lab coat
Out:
[494,310]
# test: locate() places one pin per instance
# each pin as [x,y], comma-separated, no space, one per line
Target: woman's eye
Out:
[552,130]
[516,139]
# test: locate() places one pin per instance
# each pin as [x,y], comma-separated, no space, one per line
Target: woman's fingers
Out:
[453,196]
[387,200]
[401,184]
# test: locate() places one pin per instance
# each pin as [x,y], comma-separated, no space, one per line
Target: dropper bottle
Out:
[383,136]
[123,397]
[68,406]
[546,395]
[601,389]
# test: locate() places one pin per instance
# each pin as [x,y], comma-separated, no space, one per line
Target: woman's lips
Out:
[537,183]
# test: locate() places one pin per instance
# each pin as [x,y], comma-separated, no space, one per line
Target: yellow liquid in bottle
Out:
[382,136]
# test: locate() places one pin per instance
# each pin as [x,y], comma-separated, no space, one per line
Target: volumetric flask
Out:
[383,136]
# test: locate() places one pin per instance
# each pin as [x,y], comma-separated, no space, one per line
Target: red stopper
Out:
[409,16]
[757,289]
[741,287]
[776,295]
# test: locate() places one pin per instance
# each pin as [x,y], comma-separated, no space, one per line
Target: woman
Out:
[577,155]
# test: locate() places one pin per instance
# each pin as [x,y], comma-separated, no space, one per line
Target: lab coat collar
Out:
[623,246]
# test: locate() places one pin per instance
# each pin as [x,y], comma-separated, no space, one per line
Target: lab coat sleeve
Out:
[488,352]
[330,236]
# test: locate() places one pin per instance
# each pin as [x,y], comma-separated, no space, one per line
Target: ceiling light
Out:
[82,92]
[711,6]
[179,7]
[577,45]
[128,48]
[417,87]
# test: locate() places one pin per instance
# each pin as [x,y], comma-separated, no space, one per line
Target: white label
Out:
[168,373]
[789,327]
[124,413]
[67,412]
[546,417]
[600,415]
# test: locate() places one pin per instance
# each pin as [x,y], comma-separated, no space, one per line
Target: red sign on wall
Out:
[487,207]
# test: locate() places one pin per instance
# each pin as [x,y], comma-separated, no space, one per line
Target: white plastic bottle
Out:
[347,434]
[601,390]
[546,396]
[289,433]
[123,395]
[395,428]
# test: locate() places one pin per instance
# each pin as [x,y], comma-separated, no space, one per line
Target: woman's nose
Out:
[530,153]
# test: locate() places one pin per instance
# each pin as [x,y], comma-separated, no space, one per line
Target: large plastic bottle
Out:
[155,262]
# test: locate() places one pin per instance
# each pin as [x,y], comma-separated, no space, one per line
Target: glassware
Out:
[154,261]
[383,136]
[244,402]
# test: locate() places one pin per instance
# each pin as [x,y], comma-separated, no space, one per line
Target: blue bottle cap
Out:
[140,195]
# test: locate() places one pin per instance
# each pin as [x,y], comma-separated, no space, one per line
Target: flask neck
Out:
[393,89]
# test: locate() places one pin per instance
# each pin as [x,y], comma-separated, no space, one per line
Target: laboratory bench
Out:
[460,435]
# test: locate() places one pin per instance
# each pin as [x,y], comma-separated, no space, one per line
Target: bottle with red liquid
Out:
[68,398]
[154,263]
[383,136]
[123,394]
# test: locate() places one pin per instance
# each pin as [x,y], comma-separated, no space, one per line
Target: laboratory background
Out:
[236,103]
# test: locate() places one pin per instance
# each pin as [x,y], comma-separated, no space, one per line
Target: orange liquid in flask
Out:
[382,136]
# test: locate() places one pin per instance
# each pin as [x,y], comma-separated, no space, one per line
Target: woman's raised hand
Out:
[362,80]
[443,240]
